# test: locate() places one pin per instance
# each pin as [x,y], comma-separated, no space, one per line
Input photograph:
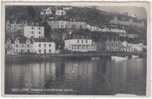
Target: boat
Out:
[118,59]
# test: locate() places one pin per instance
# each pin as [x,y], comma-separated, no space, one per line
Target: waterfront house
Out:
[43,46]
[19,45]
[22,45]
[136,47]
[9,50]
[80,45]
[34,31]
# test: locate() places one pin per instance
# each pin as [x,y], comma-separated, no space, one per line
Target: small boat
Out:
[117,58]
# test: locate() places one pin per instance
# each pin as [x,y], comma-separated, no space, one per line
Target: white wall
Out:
[82,45]
[36,47]
[36,31]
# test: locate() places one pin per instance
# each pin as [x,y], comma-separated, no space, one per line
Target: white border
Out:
[75,3]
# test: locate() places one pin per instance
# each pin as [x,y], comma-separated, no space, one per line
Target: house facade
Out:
[60,12]
[24,45]
[44,47]
[67,24]
[34,31]
[20,45]
[80,45]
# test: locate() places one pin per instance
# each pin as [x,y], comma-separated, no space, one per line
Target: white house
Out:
[80,45]
[137,47]
[20,45]
[44,47]
[67,24]
[47,11]
[23,45]
[60,12]
[34,31]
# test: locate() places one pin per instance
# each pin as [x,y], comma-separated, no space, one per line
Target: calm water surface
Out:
[77,77]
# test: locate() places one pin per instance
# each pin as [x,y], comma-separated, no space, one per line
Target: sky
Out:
[140,12]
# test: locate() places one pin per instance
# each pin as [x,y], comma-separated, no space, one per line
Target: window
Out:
[39,32]
[16,45]
[81,41]
[83,46]
[86,41]
[39,28]
[73,26]
[32,32]
[72,46]
[39,51]
[77,41]
[32,28]
[28,45]
[49,50]
[80,26]
[39,45]
[49,45]
[44,50]
[28,51]
[44,45]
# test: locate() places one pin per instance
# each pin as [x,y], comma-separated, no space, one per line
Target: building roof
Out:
[22,39]
[41,40]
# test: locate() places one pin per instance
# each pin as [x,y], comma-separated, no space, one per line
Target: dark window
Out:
[77,41]
[28,45]
[39,32]
[39,51]
[32,32]
[81,41]
[16,45]
[44,45]
[86,41]
[39,28]
[39,45]
[32,27]
[28,50]
[49,45]
[44,50]
[80,26]
[49,51]
[73,26]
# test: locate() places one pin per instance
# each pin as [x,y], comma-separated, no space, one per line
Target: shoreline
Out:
[22,58]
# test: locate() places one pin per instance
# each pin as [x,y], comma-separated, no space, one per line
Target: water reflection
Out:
[78,77]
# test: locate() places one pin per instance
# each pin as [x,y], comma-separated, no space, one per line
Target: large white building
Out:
[44,47]
[67,24]
[80,45]
[34,31]
[22,45]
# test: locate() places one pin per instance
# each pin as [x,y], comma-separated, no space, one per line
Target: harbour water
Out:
[75,76]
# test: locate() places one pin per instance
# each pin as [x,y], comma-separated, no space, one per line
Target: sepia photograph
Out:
[75,49]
